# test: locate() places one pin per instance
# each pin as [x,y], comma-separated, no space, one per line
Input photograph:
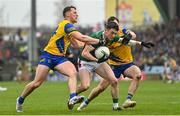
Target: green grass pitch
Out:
[153,98]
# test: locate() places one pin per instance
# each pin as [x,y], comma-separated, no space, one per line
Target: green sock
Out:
[115,102]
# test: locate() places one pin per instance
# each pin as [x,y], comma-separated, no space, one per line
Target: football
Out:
[100,51]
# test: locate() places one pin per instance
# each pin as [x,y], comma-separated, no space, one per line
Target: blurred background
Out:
[26,26]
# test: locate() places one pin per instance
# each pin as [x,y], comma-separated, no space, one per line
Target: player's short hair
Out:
[112,25]
[66,9]
[112,18]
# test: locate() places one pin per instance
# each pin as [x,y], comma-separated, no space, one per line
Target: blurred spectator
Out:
[2,88]
[1,49]
[170,70]
[166,36]
[19,72]
[96,28]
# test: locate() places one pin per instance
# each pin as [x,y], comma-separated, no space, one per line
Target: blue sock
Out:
[129,96]
[20,100]
[72,95]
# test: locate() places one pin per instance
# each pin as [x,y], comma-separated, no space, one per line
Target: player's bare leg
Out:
[85,79]
[41,73]
[94,93]
[105,72]
[135,73]
[68,69]
[99,89]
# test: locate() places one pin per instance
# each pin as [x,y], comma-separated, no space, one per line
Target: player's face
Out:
[73,15]
[111,33]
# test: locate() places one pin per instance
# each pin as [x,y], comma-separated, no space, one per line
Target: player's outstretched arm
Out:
[76,44]
[126,32]
[134,42]
[147,44]
[84,38]
[86,53]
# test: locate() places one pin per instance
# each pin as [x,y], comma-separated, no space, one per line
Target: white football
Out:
[100,51]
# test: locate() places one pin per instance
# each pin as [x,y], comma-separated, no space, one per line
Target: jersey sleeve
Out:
[94,35]
[68,28]
[115,39]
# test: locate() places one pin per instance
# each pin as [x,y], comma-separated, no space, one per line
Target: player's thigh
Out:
[105,71]
[41,73]
[85,76]
[66,68]
[132,71]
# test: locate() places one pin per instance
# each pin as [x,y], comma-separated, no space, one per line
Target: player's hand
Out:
[127,38]
[103,59]
[147,44]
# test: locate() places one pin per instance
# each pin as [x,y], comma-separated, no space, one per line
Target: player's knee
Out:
[114,82]
[138,77]
[72,74]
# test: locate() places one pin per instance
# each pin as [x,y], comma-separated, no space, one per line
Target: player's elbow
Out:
[84,54]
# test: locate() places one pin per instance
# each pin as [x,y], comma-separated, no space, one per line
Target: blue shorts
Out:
[51,60]
[119,69]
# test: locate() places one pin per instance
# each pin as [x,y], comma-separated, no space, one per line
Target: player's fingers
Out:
[151,44]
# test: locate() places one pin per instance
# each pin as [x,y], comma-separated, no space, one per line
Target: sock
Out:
[87,101]
[115,103]
[72,95]
[129,96]
[20,100]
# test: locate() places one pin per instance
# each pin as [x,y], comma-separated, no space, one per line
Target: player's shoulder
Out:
[66,26]
[65,23]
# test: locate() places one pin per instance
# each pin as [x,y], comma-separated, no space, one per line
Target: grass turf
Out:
[153,98]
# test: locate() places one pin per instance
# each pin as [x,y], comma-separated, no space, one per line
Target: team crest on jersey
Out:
[42,60]
[71,29]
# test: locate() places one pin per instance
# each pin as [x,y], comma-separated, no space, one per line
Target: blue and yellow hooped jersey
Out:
[60,40]
[120,54]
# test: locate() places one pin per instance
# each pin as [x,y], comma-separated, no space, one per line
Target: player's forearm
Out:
[86,53]
[131,42]
[134,42]
[88,56]
[84,38]
[90,40]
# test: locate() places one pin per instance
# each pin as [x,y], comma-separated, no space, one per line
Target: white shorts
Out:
[90,66]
